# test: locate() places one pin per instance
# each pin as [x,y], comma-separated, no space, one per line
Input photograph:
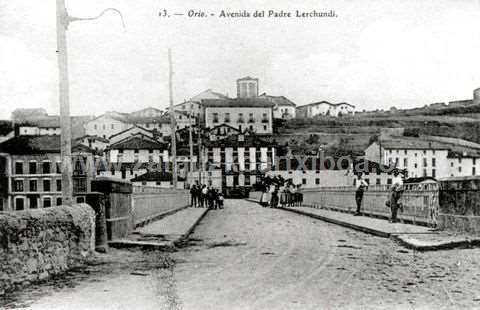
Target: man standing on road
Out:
[396,193]
[194,195]
[361,185]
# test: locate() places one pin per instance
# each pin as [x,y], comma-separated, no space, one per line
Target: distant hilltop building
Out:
[283,107]
[325,108]
[247,87]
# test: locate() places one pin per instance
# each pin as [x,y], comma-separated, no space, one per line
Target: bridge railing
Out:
[150,202]
[420,201]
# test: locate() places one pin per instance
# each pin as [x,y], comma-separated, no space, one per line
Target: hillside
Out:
[351,135]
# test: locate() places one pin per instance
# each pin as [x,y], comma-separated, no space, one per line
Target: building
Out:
[241,158]
[96,143]
[252,114]
[427,156]
[283,107]
[247,87]
[193,104]
[111,123]
[133,156]
[24,115]
[43,126]
[32,172]
[325,108]
[160,179]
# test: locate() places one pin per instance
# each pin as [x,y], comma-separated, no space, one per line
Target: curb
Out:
[450,245]
[190,230]
[341,223]
[158,216]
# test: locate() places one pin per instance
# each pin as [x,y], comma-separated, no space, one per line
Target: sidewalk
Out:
[164,233]
[415,237]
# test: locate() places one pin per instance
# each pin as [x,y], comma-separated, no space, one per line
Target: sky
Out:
[375,54]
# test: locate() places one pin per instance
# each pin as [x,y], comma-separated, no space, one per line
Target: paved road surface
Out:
[249,257]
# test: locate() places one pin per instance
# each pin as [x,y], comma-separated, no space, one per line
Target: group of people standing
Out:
[277,192]
[204,196]
[393,201]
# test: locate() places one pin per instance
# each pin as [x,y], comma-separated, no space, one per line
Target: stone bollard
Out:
[97,202]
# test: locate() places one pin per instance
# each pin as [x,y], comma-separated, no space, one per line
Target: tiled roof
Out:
[238,103]
[455,147]
[247,78]
[249,140]
[155,176]
[136,142]
[98,138]
[147,119]
[278,100]
[207,94]
[22,145]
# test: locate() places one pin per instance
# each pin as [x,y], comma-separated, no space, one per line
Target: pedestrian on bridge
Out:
[361,185]
[194,195]
[203,196]
[395,195]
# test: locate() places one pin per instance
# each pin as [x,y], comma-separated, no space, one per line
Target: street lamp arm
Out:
[74,19]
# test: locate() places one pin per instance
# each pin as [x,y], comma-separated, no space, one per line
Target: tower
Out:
[247,87]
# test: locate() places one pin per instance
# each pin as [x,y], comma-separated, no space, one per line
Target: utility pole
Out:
[66,129]
[190,141]
[200,157]
[172,121]
[63,21]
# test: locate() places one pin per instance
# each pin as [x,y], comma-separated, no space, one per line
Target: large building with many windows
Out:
[32,172]
[427,156]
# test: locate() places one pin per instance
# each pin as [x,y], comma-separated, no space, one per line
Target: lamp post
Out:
[63,21]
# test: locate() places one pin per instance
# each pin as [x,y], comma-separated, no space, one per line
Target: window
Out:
[405,162]
[47,202]
[424,152]
[58,167]
[32,167]
[425,162]
[124,174]
[46,167]
[80,199]
[18,185]
[460,169]
[250,118]
[304,181]
[33,203]
[378,182]
[240,118]
[95,126]
[19,204]
[103,127]
[434,173]
[46,185]
[19,167]
[389,181]
[59,201]
[405,152]
[451,164]
[32,185]
[317,181]
[215,117]
[474,171]
[59,185]
[433,162]
[113,126]
[424,172]
[227,117]
[247,180]
[265,127]
[264,118]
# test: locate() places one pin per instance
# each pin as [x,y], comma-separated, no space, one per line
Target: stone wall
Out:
[460,205]
[37,244]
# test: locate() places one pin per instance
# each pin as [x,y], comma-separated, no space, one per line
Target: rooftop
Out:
[155,176]
[137,143]
[238,103]
[329,103]
[22,145]
[278,100]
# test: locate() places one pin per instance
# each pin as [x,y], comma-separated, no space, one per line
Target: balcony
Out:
[227,120]
[265,120]
[240,121]
[251,120]
[215,120]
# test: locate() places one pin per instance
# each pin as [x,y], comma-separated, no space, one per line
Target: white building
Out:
[325,108]
[112,123]
[283,107]
[193,104]
[253,114]
[134,156]
[427,156]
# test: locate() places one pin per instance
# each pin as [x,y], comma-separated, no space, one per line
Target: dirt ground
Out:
[249,257]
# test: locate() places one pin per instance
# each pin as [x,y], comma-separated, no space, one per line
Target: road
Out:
[249,257]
